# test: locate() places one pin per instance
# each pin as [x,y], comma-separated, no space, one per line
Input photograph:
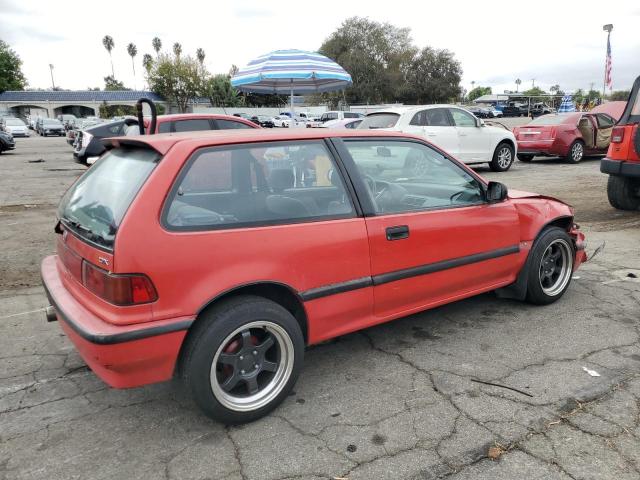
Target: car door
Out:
[433,237]
[435,125]
[475,142]
[605,125]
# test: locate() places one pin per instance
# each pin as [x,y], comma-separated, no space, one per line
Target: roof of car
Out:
[164,141]
[186,116]
[412,108]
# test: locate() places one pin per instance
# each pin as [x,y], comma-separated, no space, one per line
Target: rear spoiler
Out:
[117,142]
[626,117]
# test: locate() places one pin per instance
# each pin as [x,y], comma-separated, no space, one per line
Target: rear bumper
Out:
[549,148]
[622,169]
[122,356]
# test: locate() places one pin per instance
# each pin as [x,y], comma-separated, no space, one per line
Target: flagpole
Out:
[607,28]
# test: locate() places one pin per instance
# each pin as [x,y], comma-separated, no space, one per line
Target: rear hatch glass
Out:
[379,120]
[95,205]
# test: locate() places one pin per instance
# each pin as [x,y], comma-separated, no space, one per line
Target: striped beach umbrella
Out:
[566,105]
[289,72]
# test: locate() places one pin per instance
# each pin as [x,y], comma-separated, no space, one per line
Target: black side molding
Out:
[111,339]
[336,288]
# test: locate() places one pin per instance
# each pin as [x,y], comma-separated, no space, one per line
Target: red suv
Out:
[220,255]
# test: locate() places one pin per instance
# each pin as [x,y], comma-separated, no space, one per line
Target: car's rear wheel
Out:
[551,266]
[243,358]
[502,158]
[576,152]
[623,192]
[525,157]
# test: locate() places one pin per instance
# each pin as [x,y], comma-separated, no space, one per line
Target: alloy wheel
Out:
[252,366]
[556,267]
[504,157]
[577,151]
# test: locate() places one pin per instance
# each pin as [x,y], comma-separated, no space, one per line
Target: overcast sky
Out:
[496,41]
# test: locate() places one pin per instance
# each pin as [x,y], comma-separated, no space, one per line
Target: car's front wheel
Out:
[502,158]
[243,358]
[551,266]
[576,152]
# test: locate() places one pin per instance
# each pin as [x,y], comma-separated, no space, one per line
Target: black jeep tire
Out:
[623,192]
[551,264]
[502,158]
[220,344]
[523,157]
[576,152]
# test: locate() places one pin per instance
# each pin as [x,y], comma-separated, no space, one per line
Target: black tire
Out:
[538,268]
[576,152]
[502,157]
[623,192]
[204,343]
[523,157]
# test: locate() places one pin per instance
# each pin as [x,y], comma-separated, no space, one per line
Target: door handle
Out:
[398,232]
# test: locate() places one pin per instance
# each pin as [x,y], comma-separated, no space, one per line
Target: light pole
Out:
[51,69]
[607,64]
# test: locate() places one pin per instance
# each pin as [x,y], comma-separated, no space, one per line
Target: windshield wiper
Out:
[88,233]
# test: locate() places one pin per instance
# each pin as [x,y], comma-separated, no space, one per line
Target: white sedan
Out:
[453,129]
[15,127]
[281,121]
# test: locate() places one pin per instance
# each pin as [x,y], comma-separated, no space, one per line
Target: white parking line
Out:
[22,313]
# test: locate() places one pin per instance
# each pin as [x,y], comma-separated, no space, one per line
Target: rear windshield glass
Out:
[95,205]
[550,120]
[380,120]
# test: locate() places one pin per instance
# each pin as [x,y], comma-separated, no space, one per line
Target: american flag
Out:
[607,69]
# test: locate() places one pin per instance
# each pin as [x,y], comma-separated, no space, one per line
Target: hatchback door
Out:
[432,236]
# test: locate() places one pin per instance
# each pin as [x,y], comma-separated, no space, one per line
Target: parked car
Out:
[453,129]
[622,162]
[494,112]
[256,224]
[350,123]
[243,115]
[50,126]
[514,109]
[263,121]
[538,109]
[6,142]
[14,126]
[281,121]
[339,115]
[479,112]
[67,120]
[569,135]
[88,143]
[81,124]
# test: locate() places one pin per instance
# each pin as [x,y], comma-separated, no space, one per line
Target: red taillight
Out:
[118,289]
[617,135]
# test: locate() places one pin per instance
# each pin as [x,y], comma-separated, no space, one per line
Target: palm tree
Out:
[518,82]
[132,50]
[157,45]
[177,49]
[108,43]
[147,62]
[200,55]
[555,88]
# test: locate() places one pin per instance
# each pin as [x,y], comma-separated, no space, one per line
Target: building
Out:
[81,103]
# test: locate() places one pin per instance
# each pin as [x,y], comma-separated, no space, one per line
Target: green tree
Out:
[578,96]
[594,95]
[11,76]
[478,92]
[147,62]
[432,76]
[110,84]
[200,55]
[220,93]
[233,70]
[534,91]
[157,45]
[132,50]
[108,43]
[177,49]
[177,79]
[619,95]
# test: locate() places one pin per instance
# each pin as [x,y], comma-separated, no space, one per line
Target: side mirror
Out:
[496,192]
[479,122]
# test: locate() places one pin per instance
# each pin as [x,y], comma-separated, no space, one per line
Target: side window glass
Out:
[436,117]
[230,124]
[604,121]
[462,118]
[192,125]
[116,129]
[420,119]
[164,127]
[258,184]
[407,176]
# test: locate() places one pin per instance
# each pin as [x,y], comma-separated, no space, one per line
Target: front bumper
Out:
[620,168]
[122,356]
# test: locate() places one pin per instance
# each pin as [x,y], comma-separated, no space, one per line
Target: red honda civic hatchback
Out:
[218,256]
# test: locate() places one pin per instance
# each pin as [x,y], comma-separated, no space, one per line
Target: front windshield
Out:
[95,205]
[51,122]
[379,120]
[14,122]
